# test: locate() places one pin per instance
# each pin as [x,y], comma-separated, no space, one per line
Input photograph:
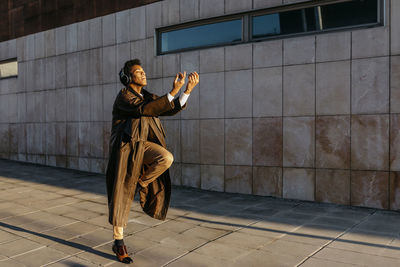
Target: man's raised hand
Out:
[178,83]
[193,81]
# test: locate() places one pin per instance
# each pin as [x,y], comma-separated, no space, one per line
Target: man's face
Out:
[138,75]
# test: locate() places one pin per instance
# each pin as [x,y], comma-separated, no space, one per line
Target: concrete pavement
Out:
[58,217]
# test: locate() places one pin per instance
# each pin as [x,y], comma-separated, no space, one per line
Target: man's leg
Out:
[157,159]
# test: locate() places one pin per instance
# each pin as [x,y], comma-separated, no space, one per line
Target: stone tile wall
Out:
[313,118]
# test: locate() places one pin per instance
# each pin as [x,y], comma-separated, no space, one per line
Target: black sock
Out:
[119,242]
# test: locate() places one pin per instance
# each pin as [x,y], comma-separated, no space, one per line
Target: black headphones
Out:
[124,78]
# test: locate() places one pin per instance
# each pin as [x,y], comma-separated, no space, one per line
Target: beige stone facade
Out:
[313,118]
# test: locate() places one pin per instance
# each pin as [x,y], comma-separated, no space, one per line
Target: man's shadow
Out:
[61,241]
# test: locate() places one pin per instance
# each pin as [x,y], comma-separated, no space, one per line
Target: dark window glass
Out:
[204,35]
[349,14]
[317,18]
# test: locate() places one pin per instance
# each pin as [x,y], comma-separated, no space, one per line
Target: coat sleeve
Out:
[177,108]
[136,107]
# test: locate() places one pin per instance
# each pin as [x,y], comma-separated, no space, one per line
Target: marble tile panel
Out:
[83,35]
[212,60]
[299,50]
[191,175]
[21,137]
[96,59]
[72,104]
[138,50]
[267,141]
[4,139]
[38,74]
[96,139]
[21,107]
[72,69]
[235,6]
[238,94]
[212,177]
[370,85]
[173,138]
[12,108]
[50,105]
[370,189]
[211,8]
[267,92]
[50,43]
[109,64]
[371,42]
[298,141]
[266,3]
[84,103]
[123,55]
[71,38]
[190,141]
[122,26]
[238,142]
[370,142]
[109,95]
[267,54]
[170,12]
[171,65]
[238,57]
[95,32]
[60,138]
[212,141]
[211,92]
[395,27]
[153,63]
[84,139]
[298,183]
[395,84]
[21,84]
[60,105]
[175,172]
[137,20]
[333,46]
[61,72]
[333,186]
[395,142]
[30,46]
[332,142]
[108,29]
[60,40]
[84,68]
[96,103]
[50,73]
[190,61]
[188,10]
[13,137]
[72,130]
[394,191]
[153,18]
[333,88]
[238,179]
[267,181]
[299,90]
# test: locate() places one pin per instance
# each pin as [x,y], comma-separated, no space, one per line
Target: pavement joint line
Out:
[336,238]
[199,246]
[26,252]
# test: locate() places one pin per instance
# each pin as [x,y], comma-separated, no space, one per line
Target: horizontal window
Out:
[8,68]
[319,18]
[219,33]
[289,20]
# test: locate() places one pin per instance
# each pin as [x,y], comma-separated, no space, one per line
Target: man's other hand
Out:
[193,81]
[178,83]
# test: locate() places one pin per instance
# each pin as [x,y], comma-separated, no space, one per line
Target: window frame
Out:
[247,24]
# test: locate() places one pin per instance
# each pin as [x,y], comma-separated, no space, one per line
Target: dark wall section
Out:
[23,17]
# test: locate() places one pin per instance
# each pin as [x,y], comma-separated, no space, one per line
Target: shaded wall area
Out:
[312,118]
[23,17]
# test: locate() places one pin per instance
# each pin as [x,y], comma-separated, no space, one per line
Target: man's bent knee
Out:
[168,159]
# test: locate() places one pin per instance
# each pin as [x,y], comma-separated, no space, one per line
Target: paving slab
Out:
[59,217]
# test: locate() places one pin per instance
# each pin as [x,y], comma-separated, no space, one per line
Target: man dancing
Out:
[139,160]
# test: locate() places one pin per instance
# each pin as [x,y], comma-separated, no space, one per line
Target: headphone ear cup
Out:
[125,79]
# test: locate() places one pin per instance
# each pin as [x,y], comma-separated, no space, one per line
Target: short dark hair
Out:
[129,64]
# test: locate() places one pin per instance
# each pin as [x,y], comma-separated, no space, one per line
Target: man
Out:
[138,154]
